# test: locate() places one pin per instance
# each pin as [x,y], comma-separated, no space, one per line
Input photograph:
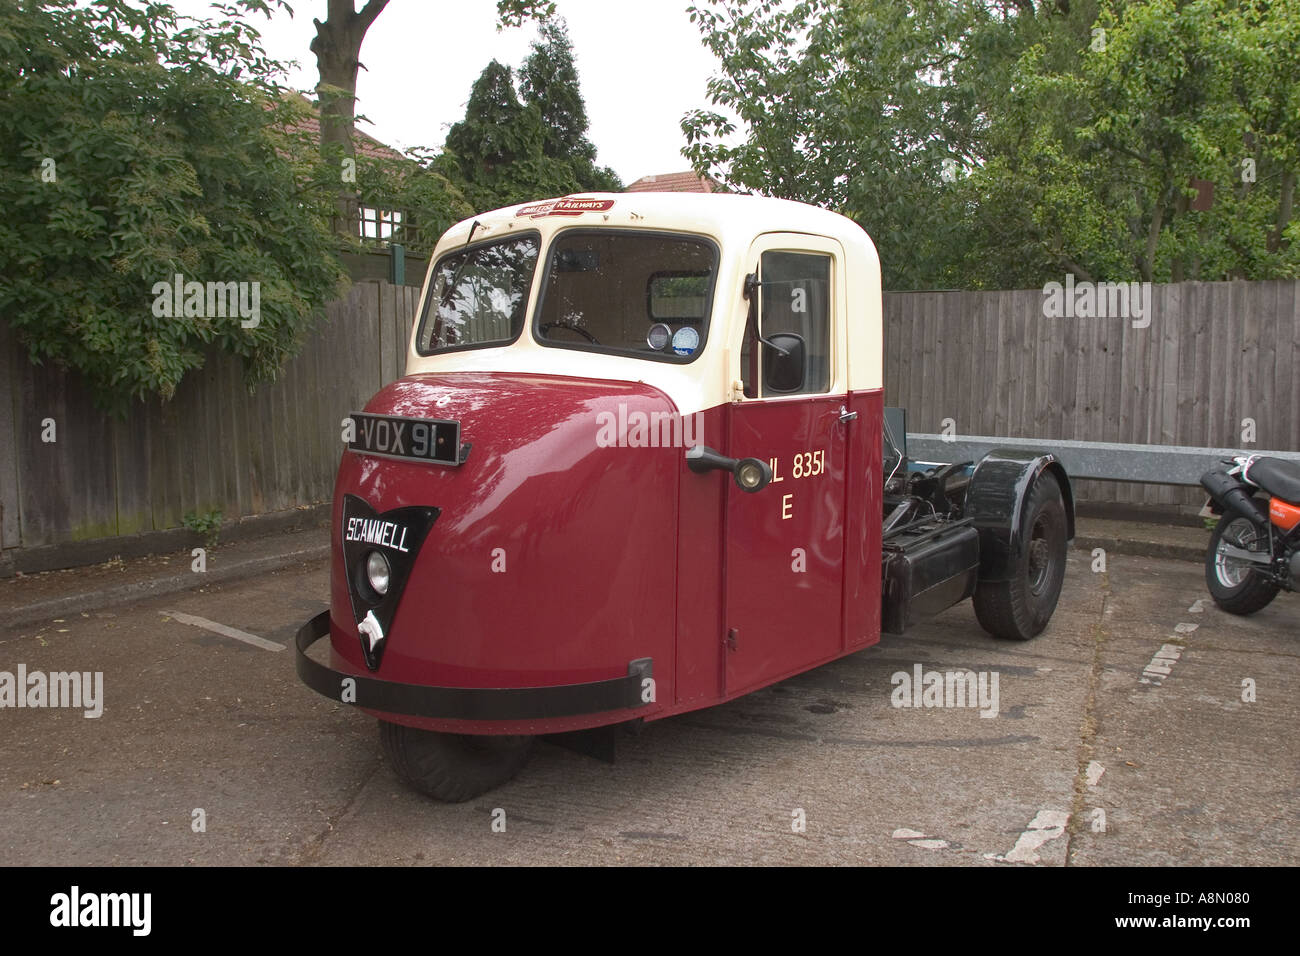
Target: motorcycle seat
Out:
[1277,476]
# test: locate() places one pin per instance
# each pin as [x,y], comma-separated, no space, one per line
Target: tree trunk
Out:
[1147,264]
[1181,205]
[1079,271]
[1285,206]
[337,46]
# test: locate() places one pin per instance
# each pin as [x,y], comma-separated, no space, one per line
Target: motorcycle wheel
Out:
[1235,585]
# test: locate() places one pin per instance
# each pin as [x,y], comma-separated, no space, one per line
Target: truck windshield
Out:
[478,296]
[640,293]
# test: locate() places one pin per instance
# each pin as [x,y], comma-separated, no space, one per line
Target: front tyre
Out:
[1019,608]
[1236,585]
[452,768]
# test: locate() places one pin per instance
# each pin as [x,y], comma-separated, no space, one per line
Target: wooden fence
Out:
[214,446]
[1213,355]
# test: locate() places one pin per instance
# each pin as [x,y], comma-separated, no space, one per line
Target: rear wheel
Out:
[1236,585]
[1019,608]
[452,767]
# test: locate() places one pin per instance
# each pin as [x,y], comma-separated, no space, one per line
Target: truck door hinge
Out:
[732,638]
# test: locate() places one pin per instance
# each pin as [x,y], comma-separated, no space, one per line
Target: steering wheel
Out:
[545,328]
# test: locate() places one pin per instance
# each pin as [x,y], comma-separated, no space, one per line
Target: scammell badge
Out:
[379,551]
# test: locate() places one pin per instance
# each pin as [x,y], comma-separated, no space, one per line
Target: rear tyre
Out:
[1235,585]
[452,768]
[1019,608]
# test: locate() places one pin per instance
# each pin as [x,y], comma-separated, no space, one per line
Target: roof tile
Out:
[687,182]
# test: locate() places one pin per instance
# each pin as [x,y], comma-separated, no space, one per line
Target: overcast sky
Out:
[642,66]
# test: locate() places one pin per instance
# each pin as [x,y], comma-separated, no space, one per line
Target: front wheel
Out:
[452,768]
[1019,608]
[1236,585]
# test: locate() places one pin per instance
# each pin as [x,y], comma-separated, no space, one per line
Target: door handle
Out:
[751,474]
[846,415]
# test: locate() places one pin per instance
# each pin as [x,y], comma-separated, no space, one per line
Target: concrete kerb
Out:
[154,587]
[1180,542]
[75,554]
[1176,551]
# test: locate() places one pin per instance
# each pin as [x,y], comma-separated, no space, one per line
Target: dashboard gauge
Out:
[686,341]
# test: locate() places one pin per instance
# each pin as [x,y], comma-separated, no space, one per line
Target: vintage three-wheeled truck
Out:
[640,464]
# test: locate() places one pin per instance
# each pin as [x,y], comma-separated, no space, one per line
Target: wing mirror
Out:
[785,364]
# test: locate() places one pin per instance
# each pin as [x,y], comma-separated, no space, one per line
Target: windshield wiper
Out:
[455,276]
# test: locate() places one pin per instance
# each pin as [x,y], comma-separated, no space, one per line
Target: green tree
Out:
[1194,90]
[136,146]
[548,80]
[988,143]
[509,148]
[549,83]
[337,47]
[847,105]
[497,147]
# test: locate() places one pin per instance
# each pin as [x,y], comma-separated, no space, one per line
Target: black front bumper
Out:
[466,703]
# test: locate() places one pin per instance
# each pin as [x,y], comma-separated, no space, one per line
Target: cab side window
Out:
[796,300]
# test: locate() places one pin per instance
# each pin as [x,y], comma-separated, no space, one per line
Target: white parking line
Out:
[919,839]
[1161,664]
[224,631]
[1047,825]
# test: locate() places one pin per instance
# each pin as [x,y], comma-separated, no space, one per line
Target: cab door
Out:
[785,543]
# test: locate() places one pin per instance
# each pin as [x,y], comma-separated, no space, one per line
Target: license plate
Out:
[410,439]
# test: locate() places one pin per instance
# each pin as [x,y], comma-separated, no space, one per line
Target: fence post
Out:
[397,264]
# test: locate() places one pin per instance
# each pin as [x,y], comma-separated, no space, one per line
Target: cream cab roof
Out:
[735,222]
[726,217]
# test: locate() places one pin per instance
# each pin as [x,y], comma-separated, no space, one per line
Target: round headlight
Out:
[751,474]
[377,572]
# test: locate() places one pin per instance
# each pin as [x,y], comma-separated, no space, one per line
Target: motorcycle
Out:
[1254,551]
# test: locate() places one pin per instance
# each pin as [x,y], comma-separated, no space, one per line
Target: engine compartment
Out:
[930,552]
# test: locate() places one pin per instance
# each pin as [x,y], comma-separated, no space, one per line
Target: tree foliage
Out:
[136,145]
[527,140]
[548,81]
[999,143]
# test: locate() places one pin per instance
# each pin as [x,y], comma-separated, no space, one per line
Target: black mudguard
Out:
[995,501]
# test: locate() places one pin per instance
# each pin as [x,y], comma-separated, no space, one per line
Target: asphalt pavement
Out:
[1143,727]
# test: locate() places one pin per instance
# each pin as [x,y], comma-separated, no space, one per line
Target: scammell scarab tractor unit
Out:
[640,463]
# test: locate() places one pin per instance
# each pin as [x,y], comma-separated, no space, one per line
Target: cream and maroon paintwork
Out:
[613,554]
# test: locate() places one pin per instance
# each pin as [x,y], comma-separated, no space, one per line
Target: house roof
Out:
[363,144]
[687,182]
